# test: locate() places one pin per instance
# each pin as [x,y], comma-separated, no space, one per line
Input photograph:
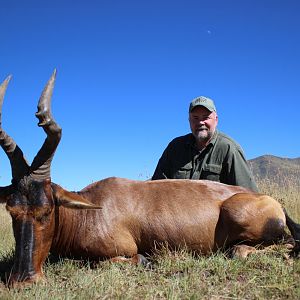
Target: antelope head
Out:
[29,198]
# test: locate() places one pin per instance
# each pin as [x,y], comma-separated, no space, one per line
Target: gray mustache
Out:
[202,127]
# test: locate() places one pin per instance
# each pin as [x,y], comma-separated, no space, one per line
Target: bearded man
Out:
[205,153]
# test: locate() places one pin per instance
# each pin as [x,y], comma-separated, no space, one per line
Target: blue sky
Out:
[127,71]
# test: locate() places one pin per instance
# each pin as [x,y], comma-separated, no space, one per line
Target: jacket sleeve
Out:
[237,171]
[163,168]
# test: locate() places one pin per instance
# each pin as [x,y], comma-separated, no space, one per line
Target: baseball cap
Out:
[203,101]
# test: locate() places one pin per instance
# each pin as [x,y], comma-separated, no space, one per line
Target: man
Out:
[205,153]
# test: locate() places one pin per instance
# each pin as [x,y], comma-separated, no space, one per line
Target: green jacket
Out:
[222,160]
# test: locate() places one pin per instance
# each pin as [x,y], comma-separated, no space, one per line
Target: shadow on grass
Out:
[6,264]
[7,261]
[54,259]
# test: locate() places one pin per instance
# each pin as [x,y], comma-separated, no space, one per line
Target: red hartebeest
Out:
[117,218]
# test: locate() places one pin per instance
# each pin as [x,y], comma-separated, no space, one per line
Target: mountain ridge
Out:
[277,169]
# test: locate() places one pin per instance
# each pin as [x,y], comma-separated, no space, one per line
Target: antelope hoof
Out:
[142,260]
[242,251]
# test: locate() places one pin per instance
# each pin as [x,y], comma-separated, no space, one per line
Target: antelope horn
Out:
[19,165]
[44,106]
[3,88]
[40,167]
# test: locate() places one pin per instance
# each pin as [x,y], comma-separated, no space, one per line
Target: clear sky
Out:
[127,71]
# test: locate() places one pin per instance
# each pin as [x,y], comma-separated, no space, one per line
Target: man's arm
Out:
[162,170]
[238,171]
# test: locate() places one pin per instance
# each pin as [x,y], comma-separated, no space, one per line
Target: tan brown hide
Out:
[136,216]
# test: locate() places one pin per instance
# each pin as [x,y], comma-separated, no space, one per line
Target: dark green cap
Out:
[203,101]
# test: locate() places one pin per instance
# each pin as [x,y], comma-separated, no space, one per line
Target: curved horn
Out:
[19,165]
[40,167]
[44,106]
[3,88]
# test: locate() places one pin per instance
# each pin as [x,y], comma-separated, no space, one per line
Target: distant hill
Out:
[277,169]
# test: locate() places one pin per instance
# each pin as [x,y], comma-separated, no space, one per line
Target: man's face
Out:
[203,123]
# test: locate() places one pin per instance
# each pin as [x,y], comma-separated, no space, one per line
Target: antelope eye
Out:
[42,214]
[10,202]
[16,212]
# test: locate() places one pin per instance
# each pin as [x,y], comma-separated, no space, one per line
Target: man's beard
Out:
[203,134]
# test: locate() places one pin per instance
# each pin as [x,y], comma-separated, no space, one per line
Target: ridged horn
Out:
[44,106]
[19,165]
[40,167]
[3,88]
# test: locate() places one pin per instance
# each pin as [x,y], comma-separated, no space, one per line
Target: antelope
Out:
[121,219]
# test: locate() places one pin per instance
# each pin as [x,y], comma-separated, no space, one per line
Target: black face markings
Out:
[30,207]
[24,236]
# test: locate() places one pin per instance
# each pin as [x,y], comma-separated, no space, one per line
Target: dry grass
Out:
[287,193]
[7,240]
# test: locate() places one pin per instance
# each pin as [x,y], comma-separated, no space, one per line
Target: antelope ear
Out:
[5,192]
[77,204]
[71,199]
[3,199]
